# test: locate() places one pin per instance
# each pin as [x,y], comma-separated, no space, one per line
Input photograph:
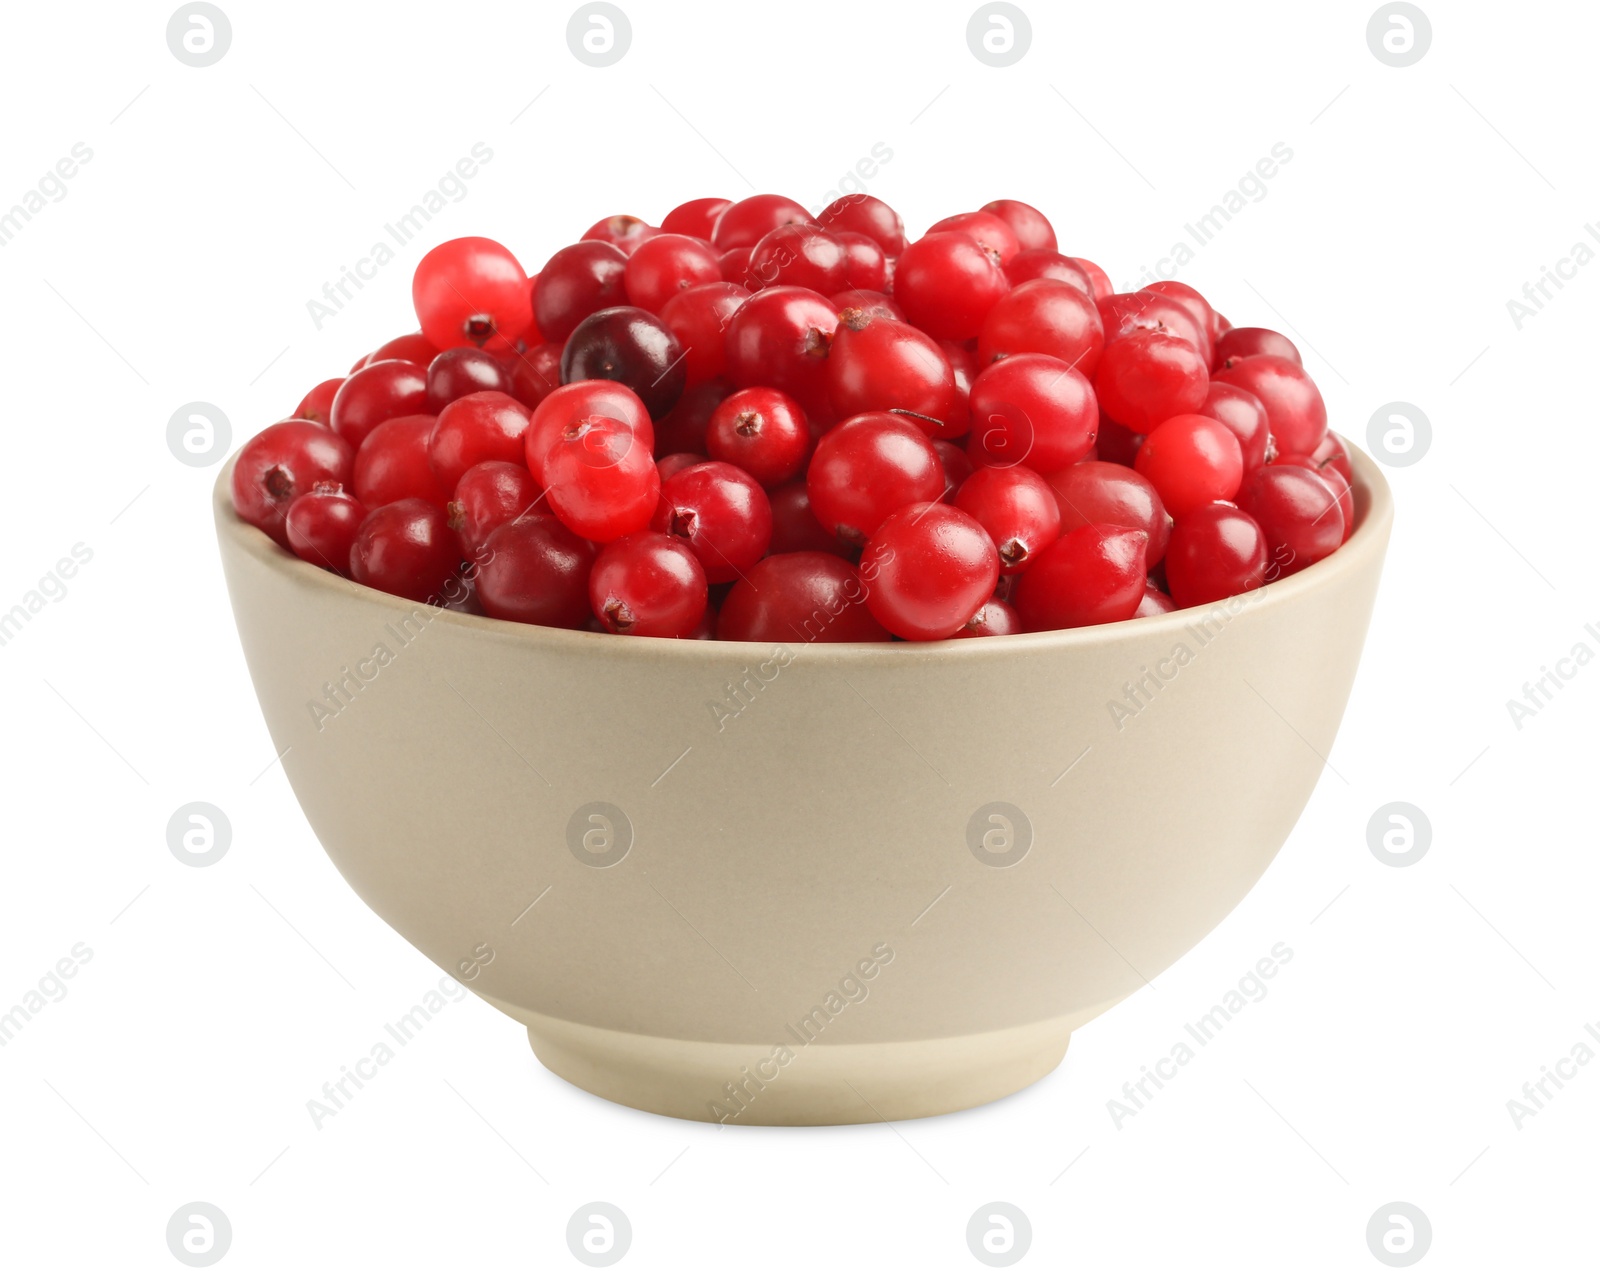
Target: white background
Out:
[218,1000]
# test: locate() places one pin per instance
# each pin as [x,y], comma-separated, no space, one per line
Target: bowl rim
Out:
[1374,515]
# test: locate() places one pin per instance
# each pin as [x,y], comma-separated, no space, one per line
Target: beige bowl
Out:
[806,885]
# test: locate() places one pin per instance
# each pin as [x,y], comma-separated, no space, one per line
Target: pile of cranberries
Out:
[751,423]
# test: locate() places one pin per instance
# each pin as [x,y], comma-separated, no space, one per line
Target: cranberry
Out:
[1192,302]
[393,464]
[795,527]
[536,570]
[746,222]
[534,374]
[1238,343]
[1033,232]
[471,291]
[880,364]
[668,466]
[624,232]
[1155,602]
[929,567]
[1044,316]
[811,597]
[411,347]
[317,405]
[1150,376]
[1334,480]
[987,231]
[378,391]
[648,584]
[1098,278]
[720,513]
[460,371]
[1244,414]
[799,256]
[280,463]
[683,428]
[866,268]
[1128,313]
[869,305]
[406,549]
[1298,513]
[1216,551]
[1026,266]
[1016,508]
[321,525]
[865,214]
[957,467]
[1295,410]
[697,218]
[1191,460]
[1031,409]
[600,479]
[947,283]
[570,404]
[994,618]
[475,428]
[867,467]
[1116,444]
[762,431]
[575,282]
[735,265]
[666,265]
[698,318]
[779,338]
[1099,493]
[1090,575]
[1330,453]
[629,346]
[490,494]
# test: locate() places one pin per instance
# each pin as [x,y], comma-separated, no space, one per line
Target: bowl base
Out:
[790,1083]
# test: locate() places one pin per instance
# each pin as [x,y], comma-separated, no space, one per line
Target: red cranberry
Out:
[870,305]
[475,428]
[317,405]
[866,267]
[282,462]
[994,618]
[1155,602]
[761,431]
[575,282]
[987,231]
[1295,410]
[1298,513]
[569,405]
[683,428]
[947,283]
[1238,343]
[1193,303]
[735,265]
[393,464]
[534,374]
[1244,414]
[321,526]
[865,214]
[699,318]
[489,495]
[629,346]
[1129,313]
[1216,551]
[1033,232]
[957,467]
[666,265]
[1026,266]
[799,256]
[928,568]
[746,222]
[1044,316]
[720,513]
[460,371]
[780,338]
[1016,508]
[600,479]
[1150,376]
[806,597]
[648,584]
[411,347]
[471,291]
[866,468]
[406,549]
[880,364]
[1031,409]
[1099,493]
[378,391]
[627,233]
[536,570]
[697,218]
[1098,278]
[668,466]
[795,527]
[1191,460]
[1090,575]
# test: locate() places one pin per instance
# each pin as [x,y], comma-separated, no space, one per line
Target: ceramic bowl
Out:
[804,884]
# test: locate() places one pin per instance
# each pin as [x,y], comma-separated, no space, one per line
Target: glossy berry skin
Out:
[795,527]
[1298,513]
[1031,409]
[957,467]
[1098,278]
[683,428]
[1044,316]
[878,364]
[279,464]
[994,618]
[1191,460]
[929,567]
[1090,575]
[411,347]
[1148,377]
[1196,305]
[471,291]
[600,479]
[761,431]
[1330,453]
[696,219]
[1026,266]
[1334,480]
[988,232]
[870,305]
[475,428]
[1099,493]
[865,214]
[780,338]
[393,464]
[460,371]
[1246,417]
[378,391]
[625,232]
[719,513]
[1155,602]
[321,526]
[668,466]
[1238,343]
[317,405]
[648,584]
[698,317]
[628,346]
[536,570]
[866,268]
[947,284]
[489,495]
[735,266]
[867,467]
[1215,552]
[799,256]
[569,405]
[406,549]
[1128,312]
[746,222]
[800,597]
[1017,509]
[534,374]
[1116,444]
[1033,231]
[1295,410]
[577,281]
[665,265]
